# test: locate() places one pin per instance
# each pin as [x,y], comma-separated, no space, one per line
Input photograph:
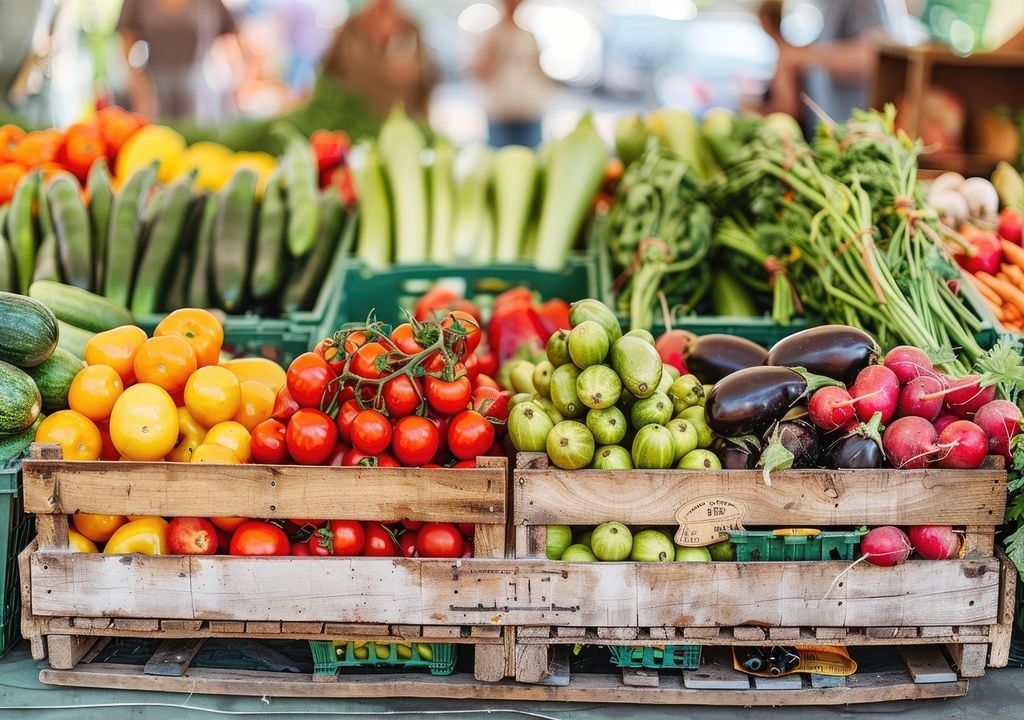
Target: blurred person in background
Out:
[379,54]
[179,35]
[515,87]
[769,14]
[835,69]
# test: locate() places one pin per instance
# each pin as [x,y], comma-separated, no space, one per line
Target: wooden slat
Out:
[489,662]
[173,657]
[226,626]
[65,651]
[181,626]
[471,495]
[31,626]
[1001,634]
[927,665]
[979,541]
[799,498]
[640,677]
[266,626]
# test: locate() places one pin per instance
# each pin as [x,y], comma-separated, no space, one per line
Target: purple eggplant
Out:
[737,453]
[859,449]
[800,437]
[835,351]
[712,357]
[749,401]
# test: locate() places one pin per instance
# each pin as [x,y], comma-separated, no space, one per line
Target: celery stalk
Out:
[374,243]
[473,169]
[441,201]
[400,145]
[515,183]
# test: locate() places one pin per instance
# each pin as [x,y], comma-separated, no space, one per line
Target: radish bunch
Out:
[888,545]
[930,418]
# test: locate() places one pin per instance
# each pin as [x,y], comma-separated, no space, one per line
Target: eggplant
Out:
[748,401]
[836,351]
[712,357]
[801,439]
[859,449]
[737,453]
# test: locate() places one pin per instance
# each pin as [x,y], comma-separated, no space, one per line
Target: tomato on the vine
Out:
[354,341]
[343,537]
[256,537]
[328,349]
[441,423]
[464,464]
[404,338]
[402,396]
[415,440]
[346,414]
[447,397]
[379,541]
[369,361]
[469,434]
[439,540]
[268,443]
[467,328]
[311,436]
[318,544]
[371,432]
[309,379]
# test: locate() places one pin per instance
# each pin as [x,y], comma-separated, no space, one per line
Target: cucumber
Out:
[162,248]
[53,378]
[232,238]
[177,284]
[268,253]
[309,272]
[8,267]
[71,223]
[20,401]
[99,185]
[299,174]
[82,308]
[21,229]
[47,263]
[73,339]
[124,235]
[28,330]
[198,292]
[14,445]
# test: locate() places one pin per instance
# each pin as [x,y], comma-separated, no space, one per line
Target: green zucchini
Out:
[21,228]
[28,330]
[8,266]
[53,378]
[124,235]
[232,238]
[268,253]
[20,402]
[198,292]
[162,247]
[85,309]
[177,284]
[47,262]
[71,224]
[14,445]
[309,272]
[99,186]
[298,172]
[73,339]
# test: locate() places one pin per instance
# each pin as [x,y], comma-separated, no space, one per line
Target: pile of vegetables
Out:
[614,542]
[477,204]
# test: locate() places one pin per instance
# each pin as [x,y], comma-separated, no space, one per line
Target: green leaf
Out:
[1015,550]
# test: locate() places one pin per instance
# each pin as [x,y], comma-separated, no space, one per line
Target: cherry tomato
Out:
[379,541]
[446,397]
[415,440]
[300,549]
[308,378]
[268,444]
[407,543]
[319,543]
[404,338]
[347,537]
[469,434]
[371,432]
[439,540]
[284,405]
[255,537]
[337,458]
[412,524]
[370,361]
[466,329]
[354,458]
[467,529]
[402,396]
[328,349]
[467,548]
[354,341]
[311,436]
[441,423]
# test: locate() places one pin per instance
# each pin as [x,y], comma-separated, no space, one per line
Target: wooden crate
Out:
[964,605]
[72,599]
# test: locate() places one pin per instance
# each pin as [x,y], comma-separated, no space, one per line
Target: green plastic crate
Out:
[766,546]
[326,660]
[683,657]
[16,530]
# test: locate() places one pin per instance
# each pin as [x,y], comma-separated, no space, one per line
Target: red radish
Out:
[876,390]
[909,442]
[886,546]
[987,253]
[909,363]
[1011,226]
[670,346]
[943,420]
[912,402]
[964,445]
[1000,419]
[831,408]
[935,542]
[964,395]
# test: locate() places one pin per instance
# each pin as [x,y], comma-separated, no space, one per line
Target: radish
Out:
[1000,420]
[670,346]
[986,253]
[831,408]
[935,542]
[1011,225]
[964,445]
[943,420]
[909,363]
[876,389]
[911,402]
[964,395]
[909,442]
[886,546]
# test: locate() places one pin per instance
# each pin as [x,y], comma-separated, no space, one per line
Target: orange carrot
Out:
[986,292]
[1015,273]
[1014,253]
[1005,290]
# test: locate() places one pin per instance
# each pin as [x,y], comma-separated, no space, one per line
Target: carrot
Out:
[1005,290]
[1014,253]
[986,292]
[1004,277]
[1015,273]
[998,314]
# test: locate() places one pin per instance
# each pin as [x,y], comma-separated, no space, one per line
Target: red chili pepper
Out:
[512,326]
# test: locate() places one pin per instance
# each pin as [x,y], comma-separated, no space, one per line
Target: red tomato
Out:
[308,378]
[466,529]
[554,315]
[328,349]
[346,414]
[268,444]
[467,548]
[371,432]
[472,364]
[465,464]
[446,397]
[230,524]
[191,536]
[306,522]
[485,381]
[337,458]
[255,537]
[354,458]
[346,537]
[319,543]
[379,541]
[487,363]
[311,437]
[415,440]
[441,423]
[466,328]
[353,341]
[469,434]
[439,540]
[404,338]
[370,361]
[300,549]
[412,524]
[284,405]
[440,299]
[491,403]
[407,543]
[402,396]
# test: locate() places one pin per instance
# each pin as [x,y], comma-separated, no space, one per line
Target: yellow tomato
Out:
[265,371]
[167,361]
[97,528]
[212,163]
[94,391]
[190,436]
[212,395]
[262,163]
[152,142]
[116,348]
[147,536]
[217,454]
[256,406]
[79,543]
[231,435]
[200,328]
[144,423]
[77,435]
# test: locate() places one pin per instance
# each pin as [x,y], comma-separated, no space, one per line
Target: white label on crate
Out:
[708,520]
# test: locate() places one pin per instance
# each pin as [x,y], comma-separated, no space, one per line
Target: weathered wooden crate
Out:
[963,605]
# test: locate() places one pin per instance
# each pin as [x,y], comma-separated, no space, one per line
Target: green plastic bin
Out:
[327,660]
[682,657]
[766,546]
[16,530]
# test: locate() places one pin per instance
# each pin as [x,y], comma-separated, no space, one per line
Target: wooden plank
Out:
[489,662]
[970,659]
[786,682]
[471,495]
[827,681]
[640,677]
[784,633]
[535,632]
[661,633]
[830,633]
[263,627]
[936,631]
[441,632]
[569,632]
[31,626]
[703,633]
[181,626]
[485,631]
[52,532]
[98,647]
[491,539]
[1001,634]
[584,688]
[65,651]
[343,630]
[716,673]
[302,628]
[531,663]
[979,541]
[173,657]
[617,633]
[800,498]
[927,665]
[226,626]
[891,632]
[749,633]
